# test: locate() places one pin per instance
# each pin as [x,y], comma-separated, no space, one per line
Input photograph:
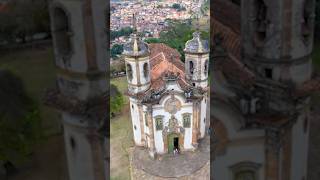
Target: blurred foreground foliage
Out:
[20,122]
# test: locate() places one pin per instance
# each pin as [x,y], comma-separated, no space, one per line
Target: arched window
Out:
[306,27]
[186,120]
[159,122]
[206,64]
[146,70]
[129,72]
[191,67]
[248,175]
[245,170]
[261,22]
[61,32]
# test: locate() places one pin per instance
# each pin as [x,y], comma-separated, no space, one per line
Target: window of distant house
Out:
[61,32]
[191,67]
[268,73]
[129,72]
[159,123]
[146,119]
[186,120]
[146,70]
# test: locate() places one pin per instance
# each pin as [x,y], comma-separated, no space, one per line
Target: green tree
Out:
[126,31]
[116,100]
[20,122]
[116,50]
[177,34]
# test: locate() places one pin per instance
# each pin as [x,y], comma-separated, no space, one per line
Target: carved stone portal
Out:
[173,128]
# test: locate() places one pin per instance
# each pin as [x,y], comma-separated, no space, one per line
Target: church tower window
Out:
[268,73]
[261,22]
[72,143]
[245,170]
[206,67]
[61,32]
[191,68]
[129,72]
[159,123]
[186,120]
[306,20]
[146,70]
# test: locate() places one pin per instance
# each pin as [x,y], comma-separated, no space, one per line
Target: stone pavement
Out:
[189,165]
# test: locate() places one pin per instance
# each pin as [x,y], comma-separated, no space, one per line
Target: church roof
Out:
[164,58]
[165,65]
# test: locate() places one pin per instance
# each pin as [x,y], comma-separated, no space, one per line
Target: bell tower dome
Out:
[197,60]
[137,63]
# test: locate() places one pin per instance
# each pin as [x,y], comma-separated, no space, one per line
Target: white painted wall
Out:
[80,158]
[159,110]
[235,154]
[135,121]
[203,115]
[299,156]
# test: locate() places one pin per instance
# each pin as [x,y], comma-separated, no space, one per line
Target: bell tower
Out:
[277,38]
[79,39]
[197,61]
[137,62]
[277,42]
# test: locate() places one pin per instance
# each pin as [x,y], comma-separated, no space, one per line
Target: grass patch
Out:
[37,70]
[121,137]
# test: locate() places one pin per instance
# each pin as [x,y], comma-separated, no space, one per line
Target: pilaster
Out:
[152,151]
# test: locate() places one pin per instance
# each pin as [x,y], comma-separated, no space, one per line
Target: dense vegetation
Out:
[178,7]
[116,100]
[122,32]
[116,50]
[176,35]
[20,122]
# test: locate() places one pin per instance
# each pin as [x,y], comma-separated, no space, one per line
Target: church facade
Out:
[168,98]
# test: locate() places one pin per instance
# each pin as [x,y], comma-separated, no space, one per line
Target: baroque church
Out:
[262,81]
[168,98]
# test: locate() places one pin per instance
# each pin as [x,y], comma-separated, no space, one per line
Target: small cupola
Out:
[135,47]
[196,44]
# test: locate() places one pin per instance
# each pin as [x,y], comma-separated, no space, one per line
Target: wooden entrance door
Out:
[172,140]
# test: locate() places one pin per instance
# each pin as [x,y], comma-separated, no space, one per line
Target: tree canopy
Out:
[176,35]
[126,31]
[116,49]
[116,100]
